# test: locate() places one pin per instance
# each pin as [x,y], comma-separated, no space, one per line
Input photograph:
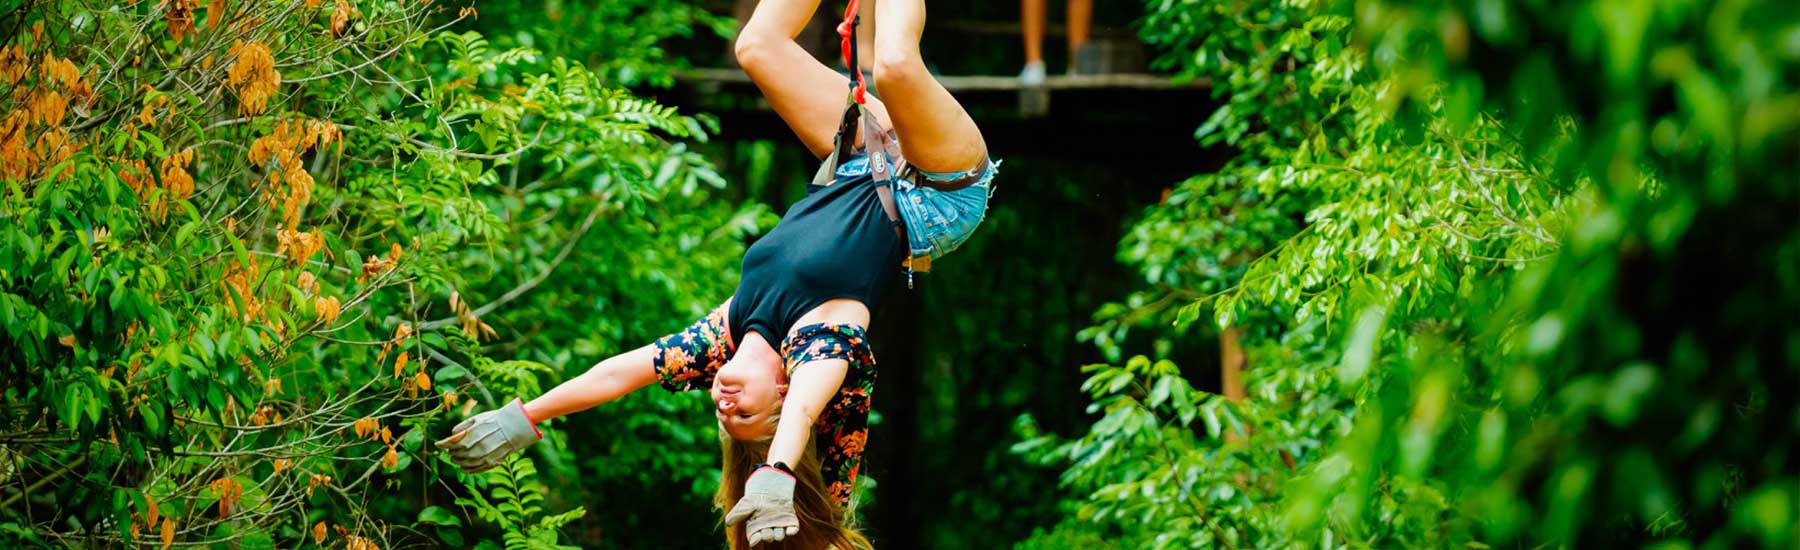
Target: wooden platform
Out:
[1031,101]
[1129,118]
[957,83]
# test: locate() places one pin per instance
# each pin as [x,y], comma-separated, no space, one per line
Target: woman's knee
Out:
[752,47]
[898,68]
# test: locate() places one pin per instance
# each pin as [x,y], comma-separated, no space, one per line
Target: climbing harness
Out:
[880,146]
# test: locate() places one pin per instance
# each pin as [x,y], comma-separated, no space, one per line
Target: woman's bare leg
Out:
[1031,17]
[1081,16]
[865,34]
[808,95]
[936,134]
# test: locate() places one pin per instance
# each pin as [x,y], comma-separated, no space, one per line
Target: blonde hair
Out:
[823,522]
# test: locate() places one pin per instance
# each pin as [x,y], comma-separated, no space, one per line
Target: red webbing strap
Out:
[847,35]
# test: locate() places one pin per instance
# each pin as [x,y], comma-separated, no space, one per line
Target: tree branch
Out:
[528,284]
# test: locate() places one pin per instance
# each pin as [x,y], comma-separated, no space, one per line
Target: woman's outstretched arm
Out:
[608,380]
[487,439]
[809,96]
[685,360]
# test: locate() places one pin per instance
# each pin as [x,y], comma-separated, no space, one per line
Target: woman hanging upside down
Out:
[872,213]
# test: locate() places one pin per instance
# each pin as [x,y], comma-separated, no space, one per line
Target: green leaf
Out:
[438,515]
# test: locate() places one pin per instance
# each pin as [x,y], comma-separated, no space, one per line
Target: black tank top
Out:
[835,243]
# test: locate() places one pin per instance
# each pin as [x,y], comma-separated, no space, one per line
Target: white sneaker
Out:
[1033,74]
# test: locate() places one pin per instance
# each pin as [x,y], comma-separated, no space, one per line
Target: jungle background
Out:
[1482,273]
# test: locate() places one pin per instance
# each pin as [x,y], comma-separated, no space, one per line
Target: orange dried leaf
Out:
[386,436]
[180,14]
[153,514]
[168,533]
[327,308]
[299,246]
[319,533]
[215,12]
[391,458]
[422,380]
[67,340]
[229,492]
[400,363]
[307,283]
[340,18]
[253,77]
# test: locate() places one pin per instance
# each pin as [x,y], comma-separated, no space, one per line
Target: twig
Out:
[574,239]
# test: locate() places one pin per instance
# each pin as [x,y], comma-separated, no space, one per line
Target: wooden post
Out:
[1231,370]
[1231,363]
[1034,101]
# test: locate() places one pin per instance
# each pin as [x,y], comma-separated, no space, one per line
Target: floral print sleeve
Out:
[842,429]
[689,359]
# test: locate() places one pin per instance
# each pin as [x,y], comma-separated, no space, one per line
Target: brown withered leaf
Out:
[340,18]
[180,14]
[215,12]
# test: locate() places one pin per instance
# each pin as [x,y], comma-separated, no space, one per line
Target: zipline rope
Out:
[847,32]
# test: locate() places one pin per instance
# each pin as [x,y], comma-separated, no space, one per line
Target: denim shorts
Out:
[937,222]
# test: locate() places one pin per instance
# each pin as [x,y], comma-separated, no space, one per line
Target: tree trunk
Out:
[1231,363]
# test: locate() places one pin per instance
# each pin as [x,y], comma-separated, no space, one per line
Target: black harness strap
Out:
[881,146]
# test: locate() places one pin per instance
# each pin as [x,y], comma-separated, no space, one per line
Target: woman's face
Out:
[747,394]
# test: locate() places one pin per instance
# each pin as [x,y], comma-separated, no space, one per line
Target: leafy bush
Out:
[253,253]
[1457,272]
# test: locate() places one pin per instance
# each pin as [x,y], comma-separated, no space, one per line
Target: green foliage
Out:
[626,42]
[1463,304]
[253,256]
[513,500]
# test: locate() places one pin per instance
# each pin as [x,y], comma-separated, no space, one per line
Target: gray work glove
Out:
[769,505]
[485,440]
